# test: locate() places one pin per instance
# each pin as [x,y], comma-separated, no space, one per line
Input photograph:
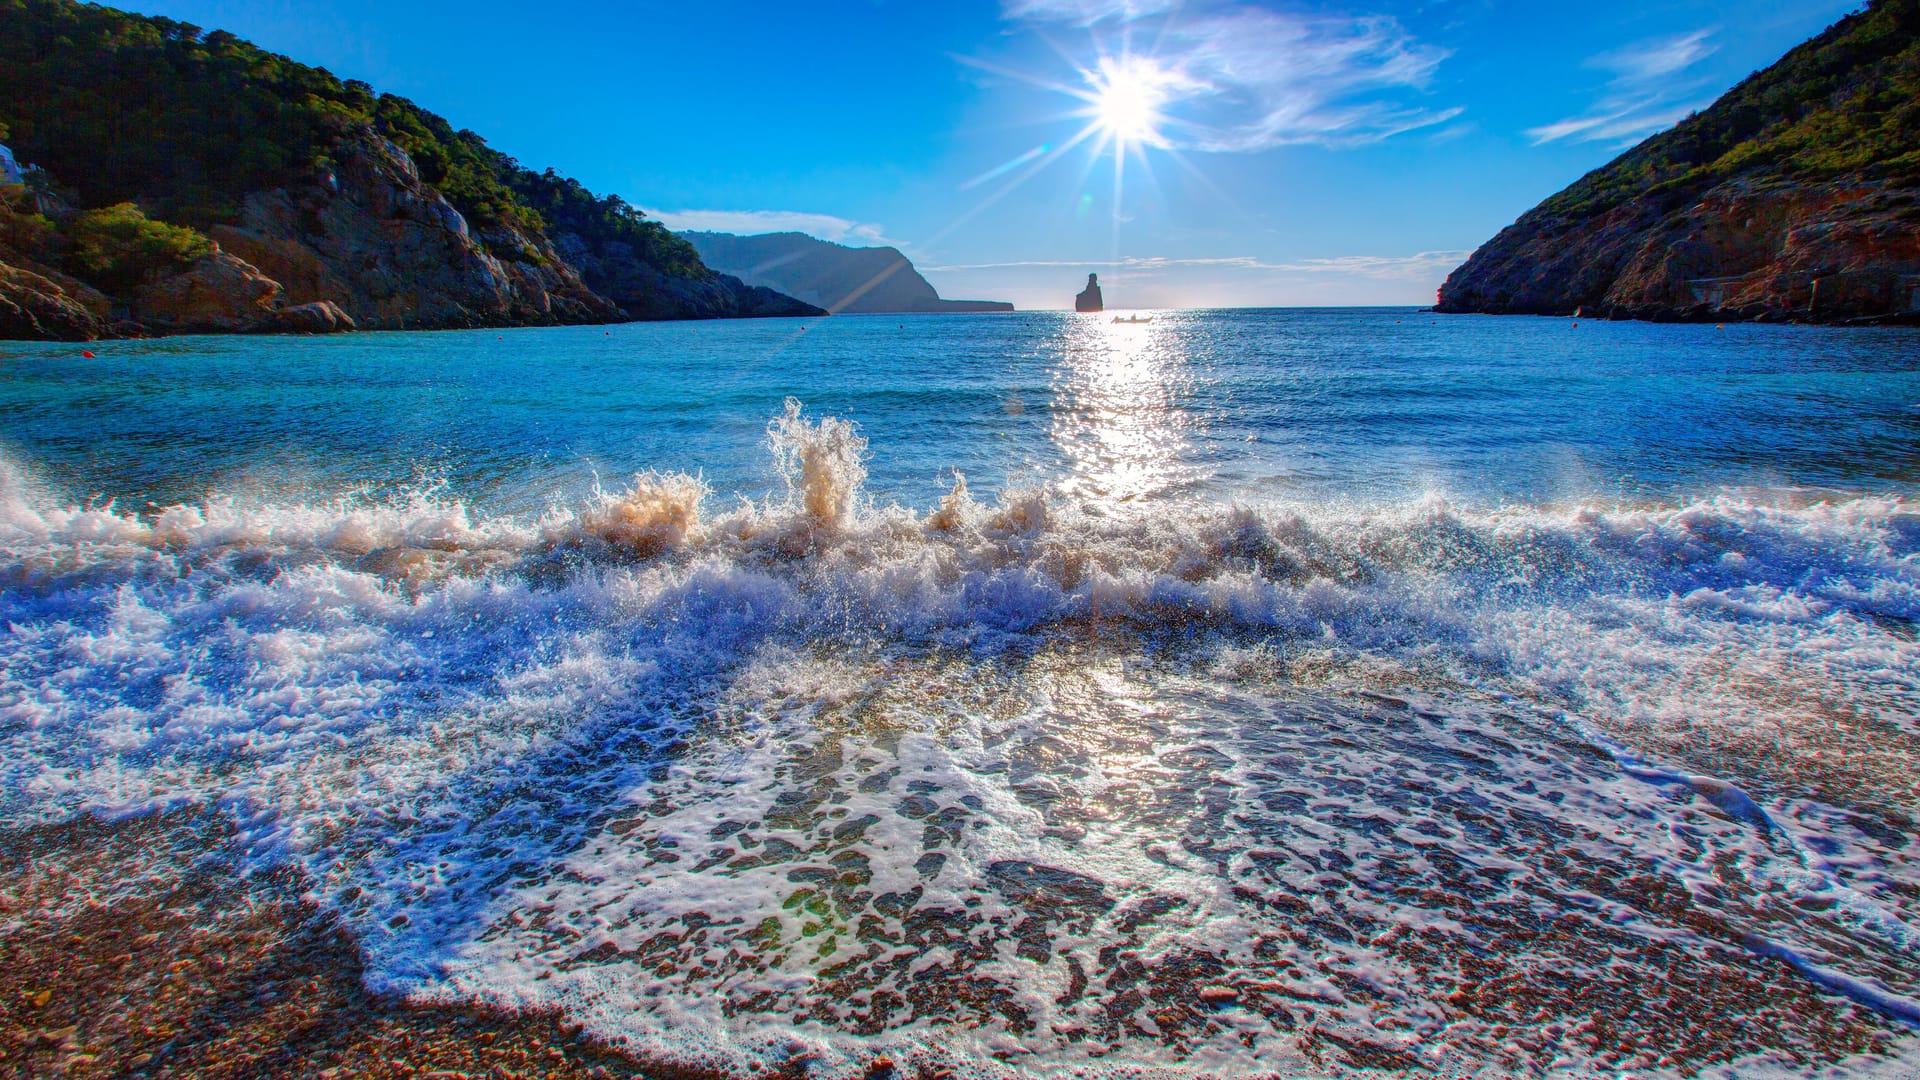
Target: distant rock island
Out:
[1089,298]
[853,280]
[164,180]
[1796,196]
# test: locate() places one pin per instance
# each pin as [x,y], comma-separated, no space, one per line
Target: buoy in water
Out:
[86,354]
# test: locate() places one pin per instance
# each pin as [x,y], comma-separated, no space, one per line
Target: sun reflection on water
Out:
[1117,414]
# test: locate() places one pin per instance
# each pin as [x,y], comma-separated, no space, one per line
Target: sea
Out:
[1284,692]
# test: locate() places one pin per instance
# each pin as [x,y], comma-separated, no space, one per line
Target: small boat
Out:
[1133,319]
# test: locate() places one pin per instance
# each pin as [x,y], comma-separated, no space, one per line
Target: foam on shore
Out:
[1010,780]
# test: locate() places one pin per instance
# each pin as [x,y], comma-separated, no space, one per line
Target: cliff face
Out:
[1795,196]
[251,193]
[214,292]
[393,253]
[838,278]
[34,306]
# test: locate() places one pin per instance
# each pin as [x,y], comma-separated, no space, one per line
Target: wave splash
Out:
[1017,778]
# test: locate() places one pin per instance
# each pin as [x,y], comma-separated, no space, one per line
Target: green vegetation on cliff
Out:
[567,207]
[119,246]
[1846,102]
[124,107]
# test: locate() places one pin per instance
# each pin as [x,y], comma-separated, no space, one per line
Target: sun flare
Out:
[1127,95]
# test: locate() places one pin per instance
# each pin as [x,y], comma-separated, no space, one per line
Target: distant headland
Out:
[856,281]
[1796,196]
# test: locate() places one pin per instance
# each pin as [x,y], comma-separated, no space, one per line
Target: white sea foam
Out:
[1008,781]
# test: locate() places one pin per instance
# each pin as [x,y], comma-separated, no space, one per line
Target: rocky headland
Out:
[856,281]
[189,182]
[1795,197]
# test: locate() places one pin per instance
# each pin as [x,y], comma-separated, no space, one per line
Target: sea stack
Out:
[1089,300]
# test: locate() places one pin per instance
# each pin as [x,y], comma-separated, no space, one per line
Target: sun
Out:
[1127,93]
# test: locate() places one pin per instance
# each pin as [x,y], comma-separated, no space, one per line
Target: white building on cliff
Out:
[10,175]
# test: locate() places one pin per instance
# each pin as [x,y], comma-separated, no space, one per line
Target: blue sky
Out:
[1279,153]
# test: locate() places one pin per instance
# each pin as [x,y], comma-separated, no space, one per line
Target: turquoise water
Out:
[1370,405]
[1472,695]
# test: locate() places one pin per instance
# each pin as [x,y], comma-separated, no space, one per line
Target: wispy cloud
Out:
[1420,265]
[1648,91]
[747,222]
[1386,267]
[1249,78]
[1230,281]
[1086,12]
[1648,60]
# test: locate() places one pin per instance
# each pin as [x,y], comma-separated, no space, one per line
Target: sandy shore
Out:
[125,951]
[130,949]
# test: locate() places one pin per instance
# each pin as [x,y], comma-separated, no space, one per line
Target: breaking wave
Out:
[1012,781]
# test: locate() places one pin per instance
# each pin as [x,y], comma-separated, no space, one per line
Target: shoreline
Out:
[160,335]
[132,951]
[1702,317]
[133,948]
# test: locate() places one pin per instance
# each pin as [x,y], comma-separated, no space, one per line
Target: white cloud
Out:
[1647,92]
[1626,124]
[1648,60]
[1276,79]
[1247,78]
[1233,281]
[1383,267]
[749,222]
[1085,12]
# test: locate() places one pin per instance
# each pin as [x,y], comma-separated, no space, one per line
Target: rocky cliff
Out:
[37,306]
[841,279]
[369,235]
[1796,196]
[213,292]
[251,193]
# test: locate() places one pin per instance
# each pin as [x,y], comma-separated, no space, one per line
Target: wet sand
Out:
[129,949]
[125,951]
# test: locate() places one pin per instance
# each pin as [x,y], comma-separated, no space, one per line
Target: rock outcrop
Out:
[1794,197]
[318,317]
[841,279]
[393,254]
[216,294]
[36,307]
[1089,299]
